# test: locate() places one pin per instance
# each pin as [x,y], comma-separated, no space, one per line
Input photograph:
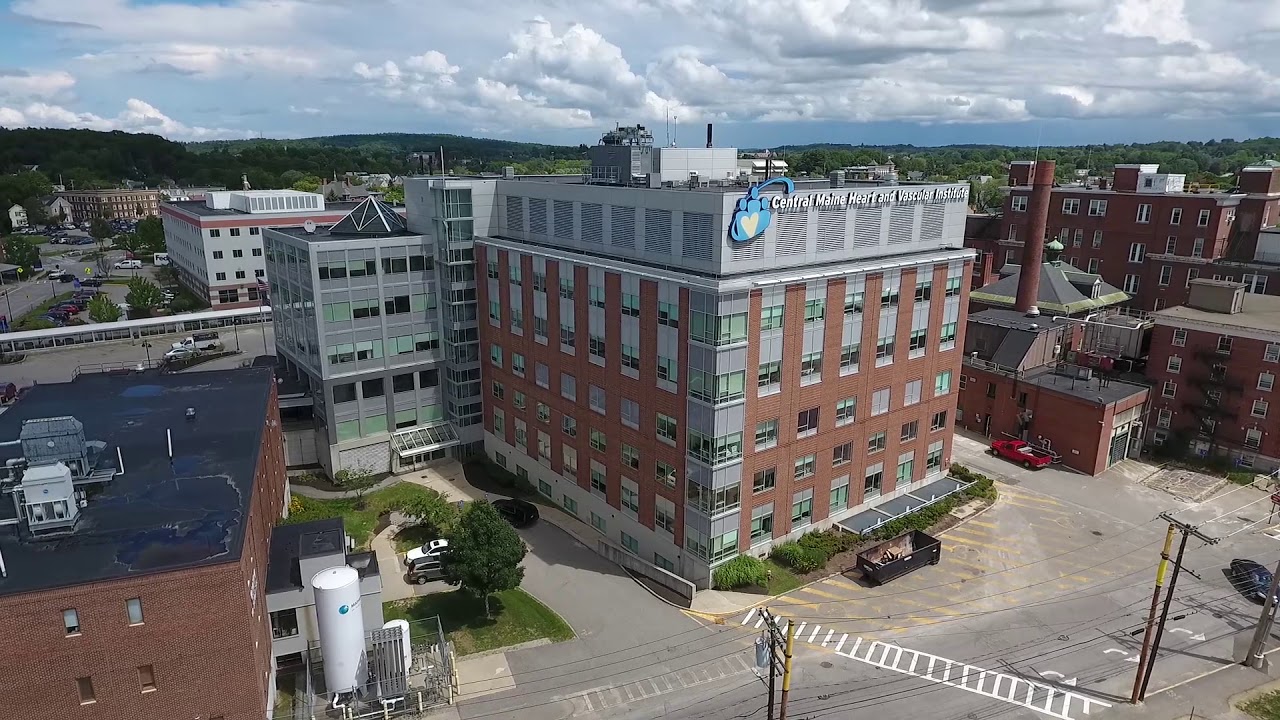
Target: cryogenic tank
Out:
[403,627]
[341,628]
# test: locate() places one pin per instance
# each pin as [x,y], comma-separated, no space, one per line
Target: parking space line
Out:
[1041,508]
[811,590]
[964,540]
[1015,492]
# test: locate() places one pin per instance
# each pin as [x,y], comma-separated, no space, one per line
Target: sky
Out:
[765,72]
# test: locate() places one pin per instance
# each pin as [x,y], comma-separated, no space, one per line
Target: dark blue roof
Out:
[159,515]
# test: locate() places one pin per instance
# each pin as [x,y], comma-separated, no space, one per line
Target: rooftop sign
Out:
[752,214]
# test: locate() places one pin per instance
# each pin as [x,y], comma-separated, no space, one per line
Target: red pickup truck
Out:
[1022,452]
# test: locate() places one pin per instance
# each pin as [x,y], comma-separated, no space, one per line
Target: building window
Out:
[147,678]
[948,336]
[1166,274]
[807,422]
[764,480]
[85,686]
[884,350]
[938,422]
[1097,208]
[666,475]
[1224,344]
[632,545]
[1266,381]
[1018,203]
[667,369]
[766,434]
[1137,252]
[595,346]
[849,357]
[539,281]
[236,253]
[880,402]
[876,442]
[802,510]
[762,527]
[1197,247]
[71,621]
[595,295]
[630,499]
[873,482]
[771,317]
[597,522]
[1170,389]
[133,607]
[815,310]
[1259,408]
[1131,284]
[631,357]
[631,304]
[570,505]
[1203,220]
[906,469]
[630,456]
[513,272]
[804,467]
[1271,353]
[917,343]
[598,440]
[910,431]
[811,368]
[842,454]
[1071,206]
[846,411]
[668,314]
[667,428]
[1180,339]
[1174,365]
[1175,216]
[1144,213]
[1253,438]
[911,395]
[942,383]
[566,288]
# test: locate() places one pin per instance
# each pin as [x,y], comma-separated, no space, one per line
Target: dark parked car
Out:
[91,282]
[1251,578]
[59,315]
[517,512]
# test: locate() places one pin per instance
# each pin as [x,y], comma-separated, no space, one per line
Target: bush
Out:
[980,486]
[742,571]
[798,557]
[828,543]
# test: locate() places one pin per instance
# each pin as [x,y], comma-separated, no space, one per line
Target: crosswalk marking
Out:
[1042,698]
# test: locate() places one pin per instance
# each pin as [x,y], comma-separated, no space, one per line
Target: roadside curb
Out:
[719,618]
[509,648]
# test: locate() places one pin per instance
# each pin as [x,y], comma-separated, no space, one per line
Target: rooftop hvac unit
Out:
[1084,373]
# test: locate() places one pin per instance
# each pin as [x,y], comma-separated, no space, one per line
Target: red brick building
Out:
[147,600]
[693,410]
[1214,364]
[1143,231]
[1016,383]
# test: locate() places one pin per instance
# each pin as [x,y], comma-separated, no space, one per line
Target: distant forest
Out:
[91,159]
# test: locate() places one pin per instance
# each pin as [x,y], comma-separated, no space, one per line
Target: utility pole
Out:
[786,670]
[1187,531]
[1151,615]
[1256,659]
[767,647]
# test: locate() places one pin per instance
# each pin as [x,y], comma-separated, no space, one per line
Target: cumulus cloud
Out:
[137,116]
[502,69]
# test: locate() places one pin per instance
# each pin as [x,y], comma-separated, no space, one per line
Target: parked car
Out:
[1252,579]
[424,570]
[433,549]
[68,307]
[128,265]
[92,282]
[517,512]
[59,315]
[180,353]
[1020,451]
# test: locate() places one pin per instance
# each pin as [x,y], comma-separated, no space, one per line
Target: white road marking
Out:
[750,615]
[827,639]
[841,643]
[1198,637]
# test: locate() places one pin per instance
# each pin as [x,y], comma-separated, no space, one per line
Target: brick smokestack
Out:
[1033,247]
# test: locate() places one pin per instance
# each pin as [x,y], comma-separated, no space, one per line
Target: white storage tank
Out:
[403,627]
[341,625]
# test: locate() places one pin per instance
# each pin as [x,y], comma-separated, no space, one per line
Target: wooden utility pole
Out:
[1187,531]
[1151,615]
[786,670]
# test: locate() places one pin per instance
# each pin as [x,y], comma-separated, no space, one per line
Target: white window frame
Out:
[1097,208]
[1018,203]
[1070,206]
[1144,214]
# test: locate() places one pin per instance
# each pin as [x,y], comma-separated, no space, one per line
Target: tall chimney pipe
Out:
[1033,247]
[708,134]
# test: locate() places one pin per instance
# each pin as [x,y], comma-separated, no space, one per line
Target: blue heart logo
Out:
[751,214]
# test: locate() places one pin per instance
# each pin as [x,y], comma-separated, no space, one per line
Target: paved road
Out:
[1033,609]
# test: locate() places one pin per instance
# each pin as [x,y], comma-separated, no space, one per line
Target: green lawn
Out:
[359,521]
[1263,707]
[782,580]
[517,617]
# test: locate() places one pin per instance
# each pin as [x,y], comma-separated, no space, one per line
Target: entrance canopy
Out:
[418,440]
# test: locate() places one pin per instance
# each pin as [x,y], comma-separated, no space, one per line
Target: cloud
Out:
[537,66]
[137,116]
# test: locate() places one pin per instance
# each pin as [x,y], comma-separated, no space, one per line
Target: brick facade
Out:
[206,639]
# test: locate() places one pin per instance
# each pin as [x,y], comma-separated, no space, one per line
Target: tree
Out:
[430,508]
[356,480]
[103,309]
[100,229]
[393,195]
[22,252]
[986,196]
[144,295]
[36,214]
[484,554]
[148,239]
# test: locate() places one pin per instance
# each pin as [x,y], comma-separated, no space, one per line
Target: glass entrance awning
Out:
[415,441]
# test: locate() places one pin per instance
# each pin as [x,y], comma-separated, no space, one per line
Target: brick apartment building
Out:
[215,243]
[694,397]
[140,594]
[1214,363]
[113,204]
[1143,231]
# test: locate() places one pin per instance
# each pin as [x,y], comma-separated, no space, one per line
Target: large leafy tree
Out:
[484,554]
[22,252]
[430,508]
[103,309]
[148,239]
[143,295]
[100,229]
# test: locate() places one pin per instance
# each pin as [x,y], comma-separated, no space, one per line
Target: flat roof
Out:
[326,537]
[1014,320]
[1261,312]
[901,505]
[198,207]
[322,235]
[160,515]
[1098,389]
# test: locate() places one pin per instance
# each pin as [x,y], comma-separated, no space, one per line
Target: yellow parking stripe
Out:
[1020,503]
[978,523]
[811,590]
[1010,491]
[985,546]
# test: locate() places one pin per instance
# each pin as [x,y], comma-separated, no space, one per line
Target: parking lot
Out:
[1040,601]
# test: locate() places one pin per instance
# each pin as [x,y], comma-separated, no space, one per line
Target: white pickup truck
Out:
[199,341]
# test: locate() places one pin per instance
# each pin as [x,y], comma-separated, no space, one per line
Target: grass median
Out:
[359,515]
[518,617]
[1263,707]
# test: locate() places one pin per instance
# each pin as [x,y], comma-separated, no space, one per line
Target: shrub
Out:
[980,486]
[828,543]
[798,557]
[742,571]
